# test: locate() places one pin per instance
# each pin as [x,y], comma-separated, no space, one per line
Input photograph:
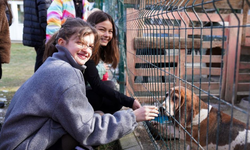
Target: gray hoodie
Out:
[52,103]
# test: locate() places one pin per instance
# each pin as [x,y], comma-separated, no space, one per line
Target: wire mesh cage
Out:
[191,59]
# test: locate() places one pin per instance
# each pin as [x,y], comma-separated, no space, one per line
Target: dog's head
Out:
[175,99]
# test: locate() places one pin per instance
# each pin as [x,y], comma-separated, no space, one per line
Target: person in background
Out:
[8,14]
[51,108]
[34,27]
[5,42]
[60,10]
[102,95]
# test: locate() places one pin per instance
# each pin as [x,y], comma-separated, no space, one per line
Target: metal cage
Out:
[201,45]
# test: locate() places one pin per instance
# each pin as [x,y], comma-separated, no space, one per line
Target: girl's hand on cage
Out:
[136,104]
[146,113]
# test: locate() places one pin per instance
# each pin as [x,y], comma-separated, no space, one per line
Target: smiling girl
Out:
[101,95]
[51,108]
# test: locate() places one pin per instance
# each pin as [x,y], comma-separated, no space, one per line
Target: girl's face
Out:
[105,31]
[81,50]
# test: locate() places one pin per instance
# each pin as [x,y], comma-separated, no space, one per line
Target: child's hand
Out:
[136,104]
[146,113]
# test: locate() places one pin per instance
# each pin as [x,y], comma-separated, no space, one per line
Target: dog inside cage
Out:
[194,116]
[198,53]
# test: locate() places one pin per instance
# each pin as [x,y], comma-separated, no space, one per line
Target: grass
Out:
[20,68]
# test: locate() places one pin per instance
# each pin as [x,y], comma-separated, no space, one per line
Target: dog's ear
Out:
[175,97]
[180,95]
[177,93]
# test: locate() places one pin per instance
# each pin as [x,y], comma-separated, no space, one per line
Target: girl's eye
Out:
[102,30]
[84,45]
[79,43]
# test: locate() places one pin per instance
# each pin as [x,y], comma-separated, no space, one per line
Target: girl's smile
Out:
[80,49]
[105,31]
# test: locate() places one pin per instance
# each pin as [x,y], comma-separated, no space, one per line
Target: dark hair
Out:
[110,53]
[8,13]
[72,26]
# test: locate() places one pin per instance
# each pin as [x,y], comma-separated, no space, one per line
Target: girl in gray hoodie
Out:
[52,103]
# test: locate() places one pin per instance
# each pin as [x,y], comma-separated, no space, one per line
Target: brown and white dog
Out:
[196,118]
